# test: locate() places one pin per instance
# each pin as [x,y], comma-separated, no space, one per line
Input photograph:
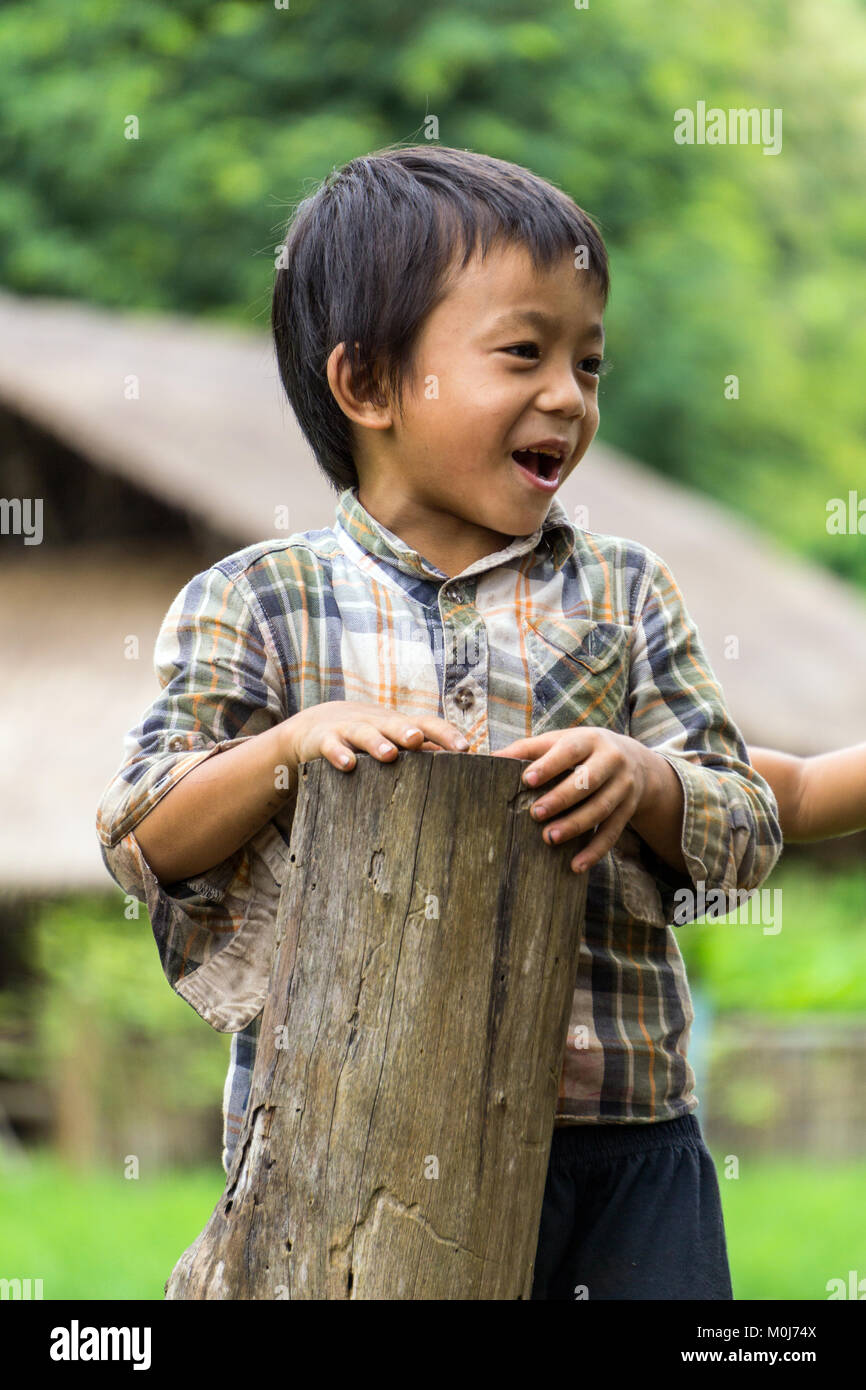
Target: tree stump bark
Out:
[396,1140]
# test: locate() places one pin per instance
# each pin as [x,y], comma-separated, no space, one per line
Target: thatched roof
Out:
[69,695]
[211,435]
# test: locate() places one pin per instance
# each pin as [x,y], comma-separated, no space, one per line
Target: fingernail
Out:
[530,775]
[462,743]
[539,810]
[554,835]
[384,747]
[345,759]
[410,732]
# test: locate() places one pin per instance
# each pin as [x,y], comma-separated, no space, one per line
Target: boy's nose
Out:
[564,395]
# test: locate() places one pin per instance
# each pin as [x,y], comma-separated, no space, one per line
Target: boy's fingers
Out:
[365,736]
[601,843]
[582,815]
[404,731]
[440,731]
[526,747]
[565,755]
[576,787]
[339,753]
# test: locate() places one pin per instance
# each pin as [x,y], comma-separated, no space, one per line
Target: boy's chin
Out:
[523,520]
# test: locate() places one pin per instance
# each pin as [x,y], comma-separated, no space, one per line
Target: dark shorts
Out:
[631,1211]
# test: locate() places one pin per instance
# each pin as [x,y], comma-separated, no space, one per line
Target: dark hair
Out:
[366,258]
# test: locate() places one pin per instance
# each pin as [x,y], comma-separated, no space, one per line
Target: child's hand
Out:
[609,783]
[333,729]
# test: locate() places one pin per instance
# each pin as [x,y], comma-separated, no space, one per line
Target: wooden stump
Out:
[396,1140]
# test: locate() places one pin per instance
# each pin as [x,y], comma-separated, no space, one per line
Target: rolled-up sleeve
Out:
[220,684]
[731,836]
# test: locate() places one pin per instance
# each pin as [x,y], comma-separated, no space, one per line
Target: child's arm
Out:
[197,820]
[221,688]
[219,805]
[818,797]
[224,801]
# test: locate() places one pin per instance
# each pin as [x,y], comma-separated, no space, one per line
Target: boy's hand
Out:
[610,781]
[334,729]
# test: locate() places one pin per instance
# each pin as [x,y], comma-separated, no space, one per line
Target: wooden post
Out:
[396,1140]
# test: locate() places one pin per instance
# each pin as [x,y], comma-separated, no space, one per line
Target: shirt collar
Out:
[555,536]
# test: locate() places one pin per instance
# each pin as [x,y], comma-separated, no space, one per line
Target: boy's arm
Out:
[219,805]
[730,835]
[221,689]
[819,797]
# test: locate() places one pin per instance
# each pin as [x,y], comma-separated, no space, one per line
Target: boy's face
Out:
[486,382]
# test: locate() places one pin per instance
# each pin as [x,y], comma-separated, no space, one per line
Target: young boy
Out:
[438,326]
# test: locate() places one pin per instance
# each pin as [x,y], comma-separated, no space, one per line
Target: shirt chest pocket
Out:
[579,672]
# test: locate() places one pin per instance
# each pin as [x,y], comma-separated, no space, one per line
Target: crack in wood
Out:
[498,993]
[240,1158]
[381,1198]
[396,973]
[264,1133]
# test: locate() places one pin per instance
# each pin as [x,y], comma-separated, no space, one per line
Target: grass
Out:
[99,1235]
[790,1227]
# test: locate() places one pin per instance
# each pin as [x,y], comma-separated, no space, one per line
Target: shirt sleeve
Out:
[220,684]
[731,836]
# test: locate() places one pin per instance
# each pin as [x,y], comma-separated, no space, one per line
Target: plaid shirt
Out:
[560,628]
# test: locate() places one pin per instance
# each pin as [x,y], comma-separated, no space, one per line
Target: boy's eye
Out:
[600,367]
[517,347]
[595,366]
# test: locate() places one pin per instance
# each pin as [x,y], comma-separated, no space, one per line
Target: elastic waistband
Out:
[585,1142]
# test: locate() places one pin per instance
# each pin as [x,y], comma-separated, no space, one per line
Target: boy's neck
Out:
[448,542]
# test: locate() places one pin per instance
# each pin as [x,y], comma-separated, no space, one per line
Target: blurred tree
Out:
[121,1052]
[726,261]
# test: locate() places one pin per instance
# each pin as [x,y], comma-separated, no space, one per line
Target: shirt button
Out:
[176,743]
[455,594]
[464,698]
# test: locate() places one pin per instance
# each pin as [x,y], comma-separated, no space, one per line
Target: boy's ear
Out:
[358,391]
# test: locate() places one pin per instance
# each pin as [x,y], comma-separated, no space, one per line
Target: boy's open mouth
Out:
[544,467]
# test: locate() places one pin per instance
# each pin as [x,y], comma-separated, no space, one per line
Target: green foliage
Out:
[815,964]
[725,260]
[99,973]
[790,1227]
